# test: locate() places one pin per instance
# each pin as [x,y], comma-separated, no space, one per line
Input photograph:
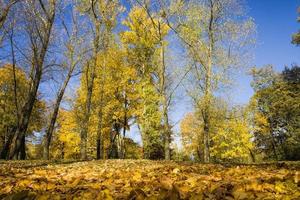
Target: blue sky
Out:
[276,22]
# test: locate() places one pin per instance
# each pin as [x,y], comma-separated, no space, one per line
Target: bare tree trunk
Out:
[207,92]
[90,87]
[113,150]
[39,53]
[23,148]
[99,131]
[125,121]
[52,122]
[6,145]
[166,126]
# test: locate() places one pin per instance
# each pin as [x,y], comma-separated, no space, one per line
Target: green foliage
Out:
[276,112]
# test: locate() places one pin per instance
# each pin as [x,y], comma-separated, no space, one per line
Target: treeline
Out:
[266,129]
[123,55]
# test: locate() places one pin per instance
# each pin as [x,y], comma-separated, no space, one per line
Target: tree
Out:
[102,15]
[276,113]
[40,18]
[66,136]
[73,56]
[12,97]
[141,42]
[190,136]
[216,34]
[230,134]
[232,140]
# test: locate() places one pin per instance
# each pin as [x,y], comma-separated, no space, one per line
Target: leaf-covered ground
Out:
[132,179]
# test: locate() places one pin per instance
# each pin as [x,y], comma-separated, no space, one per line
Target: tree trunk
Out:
[113,151]
[207,92]
[54,115]
[23,149]
[252,156]
[38,62]
[90,87]
[166,132]
[84,131]
[6,145]
[25,117]
[125,121]
[99,132]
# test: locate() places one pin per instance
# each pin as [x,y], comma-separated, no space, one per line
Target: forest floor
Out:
[143,179]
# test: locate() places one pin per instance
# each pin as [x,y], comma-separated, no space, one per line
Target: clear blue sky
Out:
[276,22]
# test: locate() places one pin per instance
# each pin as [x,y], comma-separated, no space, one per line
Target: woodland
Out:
[80,80]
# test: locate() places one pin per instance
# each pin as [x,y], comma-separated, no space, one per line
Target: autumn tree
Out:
[73,56]
[230,134]
[102,16]
[276,113]
[13,96]
[66,137]
[143,42]
[39,17]
[216,34]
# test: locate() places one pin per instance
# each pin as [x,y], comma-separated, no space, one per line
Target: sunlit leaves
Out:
[126,179]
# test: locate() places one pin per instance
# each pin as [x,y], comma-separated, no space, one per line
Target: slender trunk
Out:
[144,124]
[206,111]
[167,137]
[54,115]
[166,126]
[207,92]
[252,156]
[113,151]
[274,148]
[63,150]
[38,62]
[90,87]
[100,115]
[6,145]
[123,146]
[23,149]
[99,133]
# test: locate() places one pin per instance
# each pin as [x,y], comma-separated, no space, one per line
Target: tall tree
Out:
[39,17]
[73,55]
[217,34]
[141,41]
[102,14]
